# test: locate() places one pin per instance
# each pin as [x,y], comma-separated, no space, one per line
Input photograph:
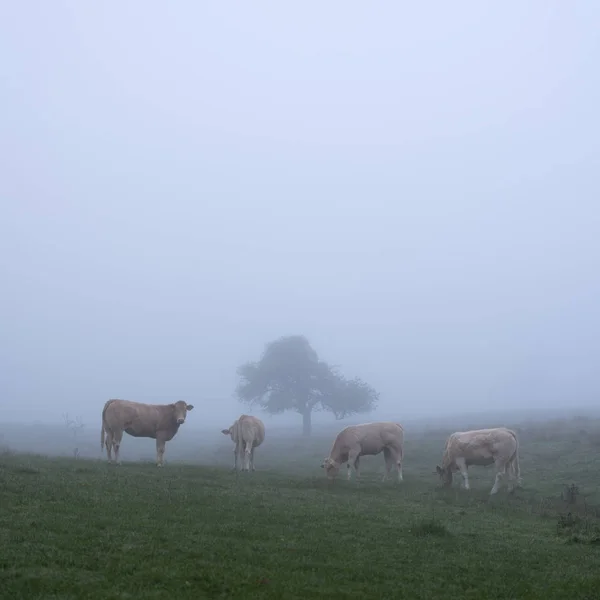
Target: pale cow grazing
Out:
[498,446]
[157,421]
[248,433]
[366,439]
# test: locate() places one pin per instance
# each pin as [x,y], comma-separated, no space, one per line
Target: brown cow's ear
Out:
[225,431]
[189,406]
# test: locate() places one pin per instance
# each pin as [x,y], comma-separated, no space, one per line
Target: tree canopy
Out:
[290,376]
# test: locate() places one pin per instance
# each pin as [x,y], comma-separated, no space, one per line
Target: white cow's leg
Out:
[500,473]
[511,477]
[497,484]
[462,465]
[515,473]
[389,462]
[235,458]
[160,452]
[353,459]
[399,464]
[388,468]
[252,459]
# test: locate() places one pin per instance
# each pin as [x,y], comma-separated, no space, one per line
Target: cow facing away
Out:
[367,439]
[498,446]
[157,421]
[248,433]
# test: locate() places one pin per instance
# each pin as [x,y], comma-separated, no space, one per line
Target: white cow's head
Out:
[180,410]
[331,467]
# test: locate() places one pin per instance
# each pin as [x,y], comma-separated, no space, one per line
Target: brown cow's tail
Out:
[102,433]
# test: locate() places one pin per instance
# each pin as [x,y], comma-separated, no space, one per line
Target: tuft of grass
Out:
[26,470]
[430,527]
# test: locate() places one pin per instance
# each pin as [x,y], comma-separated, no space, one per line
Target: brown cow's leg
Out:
[108,443]
[247,453]
[236,452]
[117,437]
[160,452]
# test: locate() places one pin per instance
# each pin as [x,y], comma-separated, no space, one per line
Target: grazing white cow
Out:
[483,447]
[366,439]
[248,433]
[157,421]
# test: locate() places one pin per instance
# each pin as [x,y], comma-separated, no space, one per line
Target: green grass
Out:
[84,529]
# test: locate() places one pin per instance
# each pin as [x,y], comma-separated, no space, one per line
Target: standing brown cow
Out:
[157,421]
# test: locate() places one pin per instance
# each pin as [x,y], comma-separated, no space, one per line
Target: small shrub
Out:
[594,439]
[577,530]
[5,450]
[568,521]
[570,493]
[430,527]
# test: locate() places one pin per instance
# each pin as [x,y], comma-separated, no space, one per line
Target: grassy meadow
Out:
[80,528]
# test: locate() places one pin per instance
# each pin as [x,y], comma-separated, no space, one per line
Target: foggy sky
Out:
[413,187]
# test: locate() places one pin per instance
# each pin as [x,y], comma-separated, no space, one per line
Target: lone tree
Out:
[290,376]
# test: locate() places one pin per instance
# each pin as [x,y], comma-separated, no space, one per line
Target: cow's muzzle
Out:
[180,421]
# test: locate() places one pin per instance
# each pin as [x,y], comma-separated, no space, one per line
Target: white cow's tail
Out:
[517,468]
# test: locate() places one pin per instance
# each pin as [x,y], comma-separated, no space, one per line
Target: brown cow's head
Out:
[331,467]
[180,410]
[445,475]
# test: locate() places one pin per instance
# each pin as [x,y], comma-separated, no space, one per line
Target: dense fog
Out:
[415,193]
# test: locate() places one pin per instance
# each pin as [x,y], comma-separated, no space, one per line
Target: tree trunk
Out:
[306,422]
